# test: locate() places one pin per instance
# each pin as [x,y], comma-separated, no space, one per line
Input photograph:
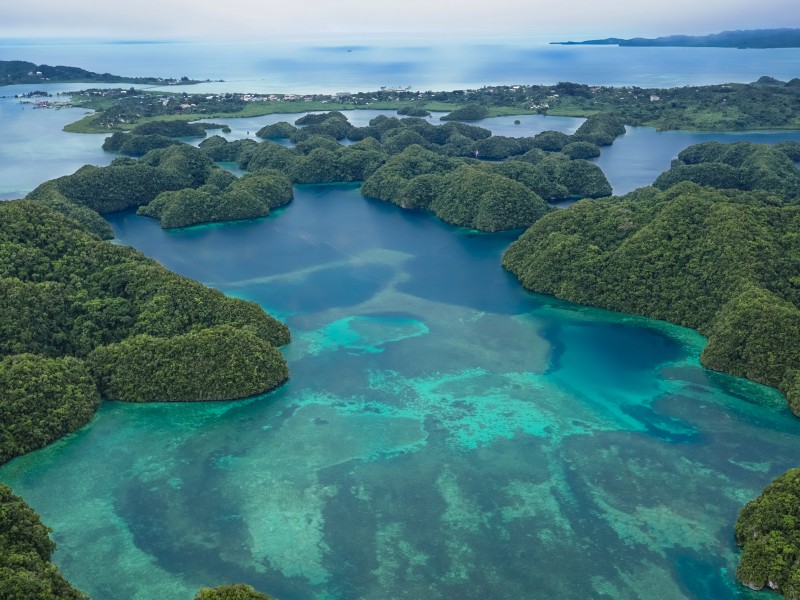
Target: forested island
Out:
[13,72]
[408,161]
[84,319]
[747,38]
[712,245]
[768,531]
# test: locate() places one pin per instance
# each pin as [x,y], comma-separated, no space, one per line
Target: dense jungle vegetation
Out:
[723,262]
[741,166]
[417,165]
[180,185]
[768,529]
[26,572]
[82,318]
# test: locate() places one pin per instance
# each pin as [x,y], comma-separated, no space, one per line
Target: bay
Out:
[34,149]
[444,433]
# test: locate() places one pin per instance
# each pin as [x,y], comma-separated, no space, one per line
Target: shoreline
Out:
[713,108]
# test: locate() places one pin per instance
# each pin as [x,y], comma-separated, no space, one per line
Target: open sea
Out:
[284,67]
[444,434]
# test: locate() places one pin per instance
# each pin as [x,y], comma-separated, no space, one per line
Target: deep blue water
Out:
[642,154]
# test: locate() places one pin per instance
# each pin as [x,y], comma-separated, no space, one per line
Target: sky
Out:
[353,20]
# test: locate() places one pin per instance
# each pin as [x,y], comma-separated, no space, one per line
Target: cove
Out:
[444,433]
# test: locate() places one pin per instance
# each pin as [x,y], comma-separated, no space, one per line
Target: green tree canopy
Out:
[41,400]
[26,572]
[66,295]
[470,112]
[551,141]
[479,199]
[722,262]
[413,111]
[467,195]
[219,363]
[742,166]
[768,529]
[277,131]
[600,129]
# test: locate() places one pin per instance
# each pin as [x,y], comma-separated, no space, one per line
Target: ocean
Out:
[278,68]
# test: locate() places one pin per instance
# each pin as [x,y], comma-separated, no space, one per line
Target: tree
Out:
[26,572]
[41,400]
[277,131]
[470,112]
[768,529]
[219,363]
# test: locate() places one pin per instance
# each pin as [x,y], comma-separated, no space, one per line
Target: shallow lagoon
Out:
[443,434]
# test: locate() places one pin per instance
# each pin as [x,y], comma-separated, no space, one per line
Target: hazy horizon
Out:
[351,22]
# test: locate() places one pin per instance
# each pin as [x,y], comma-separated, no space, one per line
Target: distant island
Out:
[747,38]
[15,72]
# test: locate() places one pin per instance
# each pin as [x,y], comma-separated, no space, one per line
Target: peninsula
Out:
[14,72]
[747,38]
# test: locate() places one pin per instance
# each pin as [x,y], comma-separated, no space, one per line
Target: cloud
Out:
[310,19]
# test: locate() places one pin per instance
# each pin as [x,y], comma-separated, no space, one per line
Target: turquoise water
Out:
[444,434]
